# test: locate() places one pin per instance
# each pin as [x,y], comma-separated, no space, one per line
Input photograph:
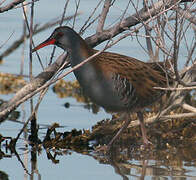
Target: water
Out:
[73,165]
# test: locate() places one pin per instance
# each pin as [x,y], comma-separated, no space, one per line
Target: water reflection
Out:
[125,170]
[126,163]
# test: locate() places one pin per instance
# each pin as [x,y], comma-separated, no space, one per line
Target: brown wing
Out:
[142,76]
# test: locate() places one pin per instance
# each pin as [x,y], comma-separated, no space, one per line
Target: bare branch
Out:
[11,5]
[189,108]
[32,88]
[163,118]
[104,13]
[187,14]
[130,21]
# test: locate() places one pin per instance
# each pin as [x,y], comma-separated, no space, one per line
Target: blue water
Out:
[75,165]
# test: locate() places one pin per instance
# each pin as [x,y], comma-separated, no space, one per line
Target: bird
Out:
[116,82]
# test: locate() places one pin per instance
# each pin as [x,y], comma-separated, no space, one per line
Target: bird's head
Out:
[64,37]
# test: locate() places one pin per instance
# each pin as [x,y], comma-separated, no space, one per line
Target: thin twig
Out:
[33,113]
[7,39]
[24,44]
[77,7]
[64,12]
[176,89]
[2,1]
[187,14]
[84,27]
[175,54]
[147,31]
[31,41]
[28,27]
[60,24]
[37,30]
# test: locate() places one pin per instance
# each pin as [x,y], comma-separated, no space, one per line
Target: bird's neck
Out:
[79,52]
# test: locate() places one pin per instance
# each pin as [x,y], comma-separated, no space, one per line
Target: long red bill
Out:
[45,43]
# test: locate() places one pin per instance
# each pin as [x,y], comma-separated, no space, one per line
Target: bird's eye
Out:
[60,34]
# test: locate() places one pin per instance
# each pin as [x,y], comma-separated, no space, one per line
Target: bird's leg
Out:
[127,122]
[142,125]
[106,148]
